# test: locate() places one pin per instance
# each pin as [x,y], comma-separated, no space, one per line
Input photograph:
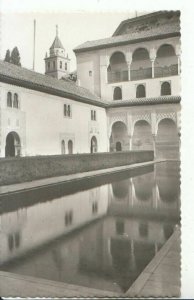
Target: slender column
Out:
[153,75]
[129,61]
[156,248]
[152,58]
[129,70]
[154,142]
[133,263]
[179,64]
[178,54]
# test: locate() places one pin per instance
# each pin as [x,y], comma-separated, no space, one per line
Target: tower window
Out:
[90,73]
[61,64]
[49,65]
[53,64]
[65,66]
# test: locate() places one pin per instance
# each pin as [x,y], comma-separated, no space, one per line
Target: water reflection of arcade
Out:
[156,192]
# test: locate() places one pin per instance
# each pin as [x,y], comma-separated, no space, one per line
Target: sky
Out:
[74,28]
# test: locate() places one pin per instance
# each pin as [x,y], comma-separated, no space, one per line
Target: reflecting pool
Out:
[99,233]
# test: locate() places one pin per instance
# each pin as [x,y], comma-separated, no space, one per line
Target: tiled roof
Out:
[57,43]
[16,75]
[155,32]
[145,101]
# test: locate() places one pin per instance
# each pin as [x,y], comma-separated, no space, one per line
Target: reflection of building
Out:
[54,219]
[135,70]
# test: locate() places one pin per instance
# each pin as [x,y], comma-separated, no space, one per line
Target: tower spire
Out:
[57,31]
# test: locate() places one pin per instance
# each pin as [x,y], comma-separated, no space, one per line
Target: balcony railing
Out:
[117,76]
[166,71]
[145,73]
[141,74]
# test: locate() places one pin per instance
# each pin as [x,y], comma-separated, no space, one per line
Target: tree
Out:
[7,56]
[15,57]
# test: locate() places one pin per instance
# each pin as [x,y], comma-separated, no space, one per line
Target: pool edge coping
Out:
[144,276]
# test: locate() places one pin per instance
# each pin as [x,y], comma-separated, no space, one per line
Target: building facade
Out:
[137,71]
[127,95]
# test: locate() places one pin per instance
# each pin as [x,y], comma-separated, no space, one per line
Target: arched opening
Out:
[143,186]
[13,145]
[117,95]
[168,182]
[119,140]
[15,101]
[70,147]
[117,70]
[140,91]
[141,67]
[165,88]
[93,145]
[167,140]
[120,189]
[166,62]
[142,136]
[9,99]
[62,147]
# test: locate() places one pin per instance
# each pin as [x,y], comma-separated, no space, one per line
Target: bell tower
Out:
[57,64]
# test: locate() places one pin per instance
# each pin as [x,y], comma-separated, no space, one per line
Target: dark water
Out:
[99,233]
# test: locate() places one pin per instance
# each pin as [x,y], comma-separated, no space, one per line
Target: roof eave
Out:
[49,90]
[161,36]
[140,102]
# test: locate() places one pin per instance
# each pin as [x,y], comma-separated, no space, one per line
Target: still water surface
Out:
[98,233]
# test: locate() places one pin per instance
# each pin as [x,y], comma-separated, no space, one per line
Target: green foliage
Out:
[15,57]
[7,56]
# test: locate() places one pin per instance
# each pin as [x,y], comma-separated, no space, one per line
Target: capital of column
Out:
[152,54]
[128,56]
[178,50]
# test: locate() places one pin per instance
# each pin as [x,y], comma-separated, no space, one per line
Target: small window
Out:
[49,65]
[15,101]
[62,147]
[68,218]
[61,64]
[165,89]
[117,95]
[9,99]
[140,91]
[67,110]
[90,73]
[65,66]
[94,115]
[53,64]
[70,147]
[94,207]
